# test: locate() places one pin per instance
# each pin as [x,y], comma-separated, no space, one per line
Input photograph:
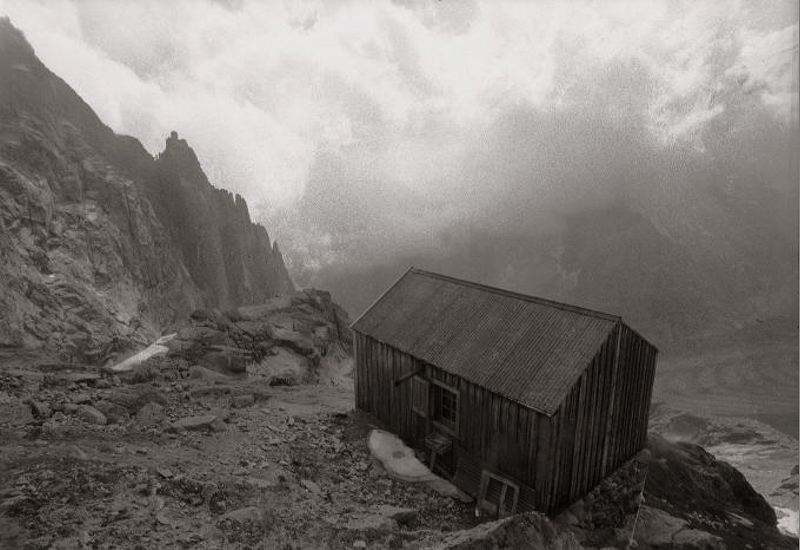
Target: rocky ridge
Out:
[101,245]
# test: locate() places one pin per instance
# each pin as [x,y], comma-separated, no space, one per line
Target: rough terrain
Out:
[241,433]
[766,457]
[173,454]
[100,243]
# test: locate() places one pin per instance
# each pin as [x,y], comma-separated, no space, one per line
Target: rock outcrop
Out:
[101,244]
[693,500]
[300,339]
[229,257]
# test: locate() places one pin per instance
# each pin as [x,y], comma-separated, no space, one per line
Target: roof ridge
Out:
[510,293]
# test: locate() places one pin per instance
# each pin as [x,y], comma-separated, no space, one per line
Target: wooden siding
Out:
[554,459]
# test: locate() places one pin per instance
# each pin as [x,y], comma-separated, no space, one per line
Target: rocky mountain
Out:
[100,243]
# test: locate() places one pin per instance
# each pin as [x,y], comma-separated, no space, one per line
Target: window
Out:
[497,495]
[419,396]
[445,406]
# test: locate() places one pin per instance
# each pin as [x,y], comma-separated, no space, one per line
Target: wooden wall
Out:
[602,422]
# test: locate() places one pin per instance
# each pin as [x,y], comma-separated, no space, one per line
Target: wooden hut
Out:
[525,403]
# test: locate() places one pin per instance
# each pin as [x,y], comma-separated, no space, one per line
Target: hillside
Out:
[101,244]
[241,433]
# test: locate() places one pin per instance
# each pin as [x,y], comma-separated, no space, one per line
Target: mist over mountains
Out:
[680,241]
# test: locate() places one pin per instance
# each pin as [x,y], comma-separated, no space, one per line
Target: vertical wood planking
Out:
[601,422]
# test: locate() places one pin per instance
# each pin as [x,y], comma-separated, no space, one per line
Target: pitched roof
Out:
[527,349]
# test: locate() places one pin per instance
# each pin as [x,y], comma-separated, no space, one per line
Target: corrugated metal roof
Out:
[527,349]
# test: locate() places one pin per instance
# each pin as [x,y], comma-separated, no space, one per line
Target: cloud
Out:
[362,130]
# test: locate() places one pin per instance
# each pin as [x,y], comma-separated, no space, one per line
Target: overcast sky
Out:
[360,130]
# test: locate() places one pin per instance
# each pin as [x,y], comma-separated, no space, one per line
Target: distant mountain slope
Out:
[100,243]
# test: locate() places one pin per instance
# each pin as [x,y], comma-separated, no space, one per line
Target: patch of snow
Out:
[788,520]
[398,459]
[158,347]
[400,462]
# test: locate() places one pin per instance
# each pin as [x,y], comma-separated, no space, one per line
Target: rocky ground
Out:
[237,430]
[173,454]
[767,457]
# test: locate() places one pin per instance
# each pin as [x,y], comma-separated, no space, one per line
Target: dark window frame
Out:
[448,424]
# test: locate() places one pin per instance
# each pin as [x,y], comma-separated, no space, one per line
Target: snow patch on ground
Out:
[158,347]
[400,462]
[788,520]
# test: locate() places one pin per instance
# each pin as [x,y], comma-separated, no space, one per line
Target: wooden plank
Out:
[543,460]
[587,430]
[609,436]
[591,437]
[586,462]
[602,406]
[573,435]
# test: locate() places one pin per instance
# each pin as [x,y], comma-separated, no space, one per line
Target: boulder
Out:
[89,414]
[226,359]
[261,311]
[311,486]
[82,378]
[116,414]
[202,373]
[658,528]
[242,401]
[202,423]
[81,397]
[40,409]
[14,412]
[133,398]
[284,368]
[151,414]
[397,513]
[293,340]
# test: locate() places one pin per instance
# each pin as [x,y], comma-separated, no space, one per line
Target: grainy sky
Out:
[362,130]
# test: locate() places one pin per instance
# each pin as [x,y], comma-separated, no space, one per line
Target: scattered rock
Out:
[82,397]
[40,410]
[244,515]
[151,414]
[89,414]
[401,515]
[14,412]
[77,452]
[531,530]
[242,401]
[116,414]
[198,372]
[370,522]
[203,423]
[658,528]
[226,359]
[133,398]
[82,377]
[311,486]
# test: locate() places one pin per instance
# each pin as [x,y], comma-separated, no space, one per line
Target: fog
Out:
[460,136]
